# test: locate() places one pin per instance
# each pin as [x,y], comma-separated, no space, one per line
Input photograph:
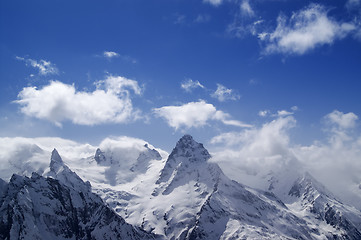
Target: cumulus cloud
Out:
[194,114]
[188,85]
[223,94]
[342,120]
[305,30]
[58,102]
[44,67]
[110,54]
[260,150]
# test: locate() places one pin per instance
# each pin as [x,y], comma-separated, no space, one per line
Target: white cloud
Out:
[44,67]
[304,31]
[26,155]
[194,114]
[258,151]
[283,113]
[263,113]
[119,85]
[188,85]
[254,151]
[294,108]
[342,120]
[246,8]
[223,94]
[214,2]
[110,54]
[58,102]
[280,113]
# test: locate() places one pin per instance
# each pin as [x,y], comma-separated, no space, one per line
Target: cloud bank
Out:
[259,151]
[58,102]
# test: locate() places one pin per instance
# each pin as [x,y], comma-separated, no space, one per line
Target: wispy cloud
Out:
[305,30]
[353,4]
[194,114]
[279,113]
[214,2]
[246,8]
[179,19]
[57,102]
[223,94]
[188,85]
[110,55]
[202,18]
[44,67]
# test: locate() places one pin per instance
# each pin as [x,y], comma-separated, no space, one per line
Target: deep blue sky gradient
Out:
[74,34]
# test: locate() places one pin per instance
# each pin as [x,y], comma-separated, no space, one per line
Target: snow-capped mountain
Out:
[310,200]
[59,207]
[178,196]
[187,197]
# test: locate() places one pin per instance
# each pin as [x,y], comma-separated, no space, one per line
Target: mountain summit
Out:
[188,161]
[188,149]
[56,163]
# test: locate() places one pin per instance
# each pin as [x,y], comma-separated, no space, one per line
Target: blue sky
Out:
[85,70]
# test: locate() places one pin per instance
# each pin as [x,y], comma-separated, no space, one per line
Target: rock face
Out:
[64,208]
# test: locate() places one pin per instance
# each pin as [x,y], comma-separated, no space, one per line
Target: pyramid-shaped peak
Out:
[187,141]
[55,161]
[187,147]
[55,156]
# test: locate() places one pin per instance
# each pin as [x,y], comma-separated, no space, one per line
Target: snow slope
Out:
[59,207]
[186,196]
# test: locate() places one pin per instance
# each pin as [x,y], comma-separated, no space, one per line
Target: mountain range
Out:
[140,192]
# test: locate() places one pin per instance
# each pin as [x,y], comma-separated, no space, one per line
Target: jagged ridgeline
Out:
[141,193]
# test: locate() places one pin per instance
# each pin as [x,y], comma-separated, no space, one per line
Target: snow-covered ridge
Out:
[59,207]
[186,196]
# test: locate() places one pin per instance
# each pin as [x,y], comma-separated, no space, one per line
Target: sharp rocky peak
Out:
[56,162]
[188,148]
[188,160]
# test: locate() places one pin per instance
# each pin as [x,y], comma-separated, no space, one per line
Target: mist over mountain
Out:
[127,189]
